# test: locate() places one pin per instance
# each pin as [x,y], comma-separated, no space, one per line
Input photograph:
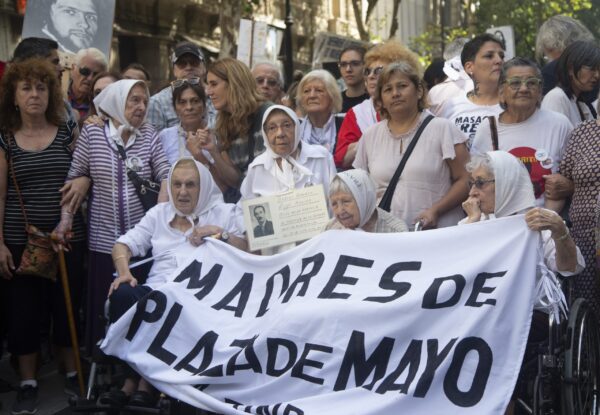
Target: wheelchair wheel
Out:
[582,362]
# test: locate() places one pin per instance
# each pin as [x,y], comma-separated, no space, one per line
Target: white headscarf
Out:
[514,191]
[291,171]
[112,100]
[210,195]
[363,189]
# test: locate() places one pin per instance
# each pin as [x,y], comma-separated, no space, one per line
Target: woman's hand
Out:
[95,120]
[200,232]
[557,186]
[540,219]
[428,218]
[74,192]
[471,207]
[126,278]
[204,139]
[6,262]
[62,233]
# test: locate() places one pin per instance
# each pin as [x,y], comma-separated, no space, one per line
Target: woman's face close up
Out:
[216,89]
[400,95]
[315,98]
[189,107]
[483,188]
[31,97]
[522,90]
[485,68]
[281,133]
[185,188]
[136,106]
[345,209]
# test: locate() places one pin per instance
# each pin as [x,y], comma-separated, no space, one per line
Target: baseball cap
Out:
[186,47]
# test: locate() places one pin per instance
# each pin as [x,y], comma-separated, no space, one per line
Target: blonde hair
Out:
[393,51]
[243,99]
[331,86]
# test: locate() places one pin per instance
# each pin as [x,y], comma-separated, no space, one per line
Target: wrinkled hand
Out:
[428,218]
[557,186]
[472,208]
[540,219]
[199,233]
[62,233]
[204,139]
[95,120]
[74,192]
[122,279]
[6,262]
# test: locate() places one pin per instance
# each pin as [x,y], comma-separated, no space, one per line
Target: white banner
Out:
[349,322]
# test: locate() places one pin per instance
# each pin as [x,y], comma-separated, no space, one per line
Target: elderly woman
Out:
[433,182]
[232,89]
[578,71]
[364,115]
[499,187]
[287,163]
[353,202]
[36,145]
[537,136]
[320,99]
[482,59]
[115,205]
[171,231]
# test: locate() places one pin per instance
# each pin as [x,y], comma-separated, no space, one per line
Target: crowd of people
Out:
[114,174]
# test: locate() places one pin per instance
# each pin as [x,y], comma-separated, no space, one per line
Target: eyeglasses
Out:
[376,71]
[352,64]
[273,128]
[87,72]
[270,81]
[181,82]
[479,183]
[530,83]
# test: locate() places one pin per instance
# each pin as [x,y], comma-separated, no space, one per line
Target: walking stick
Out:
[65,283]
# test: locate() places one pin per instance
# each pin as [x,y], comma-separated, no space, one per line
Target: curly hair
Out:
[29,70]
[393,51]
[243,99]
[405,69]
[558,32]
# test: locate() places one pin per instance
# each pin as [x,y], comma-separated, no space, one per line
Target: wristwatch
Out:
[225,236]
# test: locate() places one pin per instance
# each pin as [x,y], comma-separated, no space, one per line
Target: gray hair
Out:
[95,54]
[331,86]
[273,66]
[454,48]
[518,62]
[338,186]
[558,32]
[480,161]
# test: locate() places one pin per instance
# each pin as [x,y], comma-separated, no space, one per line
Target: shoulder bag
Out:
[386,200]
[146,190]
[494,131]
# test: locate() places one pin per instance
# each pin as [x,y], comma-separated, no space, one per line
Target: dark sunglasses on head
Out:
[87,71]
[376,71]
[181,82]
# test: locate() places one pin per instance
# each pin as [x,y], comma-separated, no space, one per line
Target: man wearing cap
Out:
[88,63]
[188,63]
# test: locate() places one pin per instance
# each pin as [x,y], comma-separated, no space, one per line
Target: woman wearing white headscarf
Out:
[171,231]
[500,186]
[114,205]
[353,201]
[286,163]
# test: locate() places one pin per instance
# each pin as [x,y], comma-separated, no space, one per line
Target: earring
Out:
[17,108]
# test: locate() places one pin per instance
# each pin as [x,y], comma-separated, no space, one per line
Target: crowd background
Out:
[72,163]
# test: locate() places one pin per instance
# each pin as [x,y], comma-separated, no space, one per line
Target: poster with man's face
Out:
[74,24]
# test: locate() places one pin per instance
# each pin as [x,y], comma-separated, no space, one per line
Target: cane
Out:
[65,283]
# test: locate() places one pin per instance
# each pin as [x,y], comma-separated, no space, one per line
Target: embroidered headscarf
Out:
[514,191]
[210,195]
[363,189]
[112,101]
[290,171]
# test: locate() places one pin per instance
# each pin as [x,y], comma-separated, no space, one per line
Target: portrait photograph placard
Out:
[293,216]
[74,24]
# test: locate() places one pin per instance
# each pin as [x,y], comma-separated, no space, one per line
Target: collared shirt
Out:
[81,107]
[161,111]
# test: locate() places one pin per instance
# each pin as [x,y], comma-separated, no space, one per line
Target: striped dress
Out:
[114,206]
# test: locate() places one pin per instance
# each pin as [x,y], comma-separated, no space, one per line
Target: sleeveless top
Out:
[40,175]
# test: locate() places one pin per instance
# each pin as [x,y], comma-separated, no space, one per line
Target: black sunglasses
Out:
[479,183]
[87,71]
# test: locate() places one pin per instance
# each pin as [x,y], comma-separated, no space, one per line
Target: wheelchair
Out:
[561,374]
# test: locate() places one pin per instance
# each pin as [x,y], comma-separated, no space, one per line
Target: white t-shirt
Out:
[441,94]
[539,142]
[426,177]
[556,100]
[467,116]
